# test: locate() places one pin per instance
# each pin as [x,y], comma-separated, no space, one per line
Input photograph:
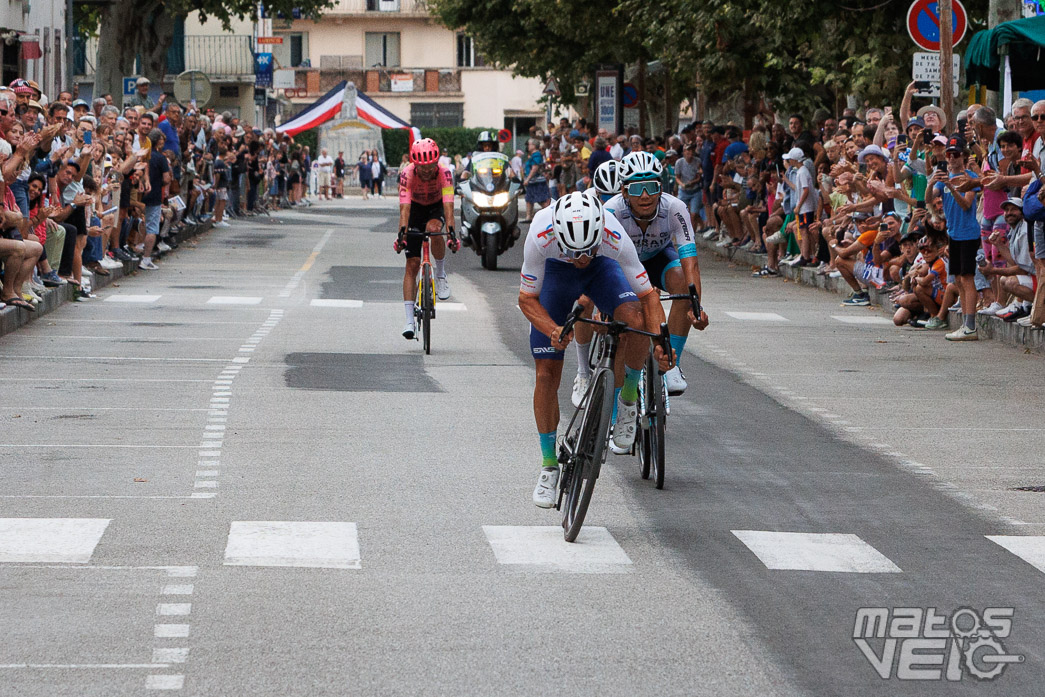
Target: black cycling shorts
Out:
[420,214]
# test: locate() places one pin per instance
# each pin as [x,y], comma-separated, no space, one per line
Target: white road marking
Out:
[234,300]
[86,445]
[241,359]
[174,609]
[857,319]
[82,666]
[329,545]
[170,655]
[543,548]
[806,551]
[177,589]
[758,316]
[69,540]
[333,302]
[170,631]
[1029,548]
[132,298]
[164,682]
[206,485]
[451,307]
[207,473]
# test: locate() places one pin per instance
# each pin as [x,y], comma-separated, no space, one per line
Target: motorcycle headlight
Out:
[500,199]
[482,200]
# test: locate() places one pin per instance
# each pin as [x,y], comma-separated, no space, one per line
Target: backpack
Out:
[1033,210]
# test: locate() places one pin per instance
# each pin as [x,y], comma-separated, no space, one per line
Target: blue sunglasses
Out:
[571,254]
[651,187]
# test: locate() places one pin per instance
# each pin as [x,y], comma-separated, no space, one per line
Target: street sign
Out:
[629,96]
[263,70]
[582,88]
[270,39]
[504,135]
[923,23]
[607,100]
[284,79]
[552,87]
[193,86]
[926,66]
[129,86]
[260,96]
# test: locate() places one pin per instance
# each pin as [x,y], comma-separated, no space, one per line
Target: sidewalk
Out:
[11,318]
[989,327]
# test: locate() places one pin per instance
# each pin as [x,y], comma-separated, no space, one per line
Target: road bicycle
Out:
[583,449]
[425,298]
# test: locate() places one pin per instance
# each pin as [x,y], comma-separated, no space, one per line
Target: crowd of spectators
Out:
[937,219]
[88,187]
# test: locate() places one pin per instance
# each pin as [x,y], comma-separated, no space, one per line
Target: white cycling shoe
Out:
[625,428]
[580,388]
[442,287]
[547,486]
[408,331]
[675,381]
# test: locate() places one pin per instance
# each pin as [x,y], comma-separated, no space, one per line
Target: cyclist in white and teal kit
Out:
[659,226]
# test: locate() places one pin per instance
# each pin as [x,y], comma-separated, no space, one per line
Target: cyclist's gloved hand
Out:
[454,243]
[400,243]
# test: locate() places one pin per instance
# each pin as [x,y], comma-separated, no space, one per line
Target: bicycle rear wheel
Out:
[592,435]
[645,408]
[427,310]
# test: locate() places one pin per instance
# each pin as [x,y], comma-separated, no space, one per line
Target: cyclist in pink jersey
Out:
[426,202]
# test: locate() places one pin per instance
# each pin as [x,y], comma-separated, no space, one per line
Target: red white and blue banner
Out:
[329,105]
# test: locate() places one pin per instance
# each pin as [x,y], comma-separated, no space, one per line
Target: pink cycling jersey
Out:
[413,189]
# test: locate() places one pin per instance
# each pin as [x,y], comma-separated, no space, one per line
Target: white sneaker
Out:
[709,233]
[724,242]
[408,331]
[956,307]
[675,381]
[1024,321]
[626,426]
[835,274]
[991,309]
[108,263]
[962,334]
[222,224]
[547,487]
[580,388]
[147,265]
[163,246]
[442,288]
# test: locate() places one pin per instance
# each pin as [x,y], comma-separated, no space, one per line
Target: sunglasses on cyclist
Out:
[570,254]
[651,187]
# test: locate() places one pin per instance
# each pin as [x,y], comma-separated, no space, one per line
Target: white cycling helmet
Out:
[639,165]
[578,223]
[606,180]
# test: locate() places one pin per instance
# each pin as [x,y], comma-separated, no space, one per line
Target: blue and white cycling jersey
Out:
[672,225]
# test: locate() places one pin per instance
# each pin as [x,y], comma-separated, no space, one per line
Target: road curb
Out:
[989,327]
[11,318]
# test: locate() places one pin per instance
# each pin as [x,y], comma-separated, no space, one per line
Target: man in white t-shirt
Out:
[325,163]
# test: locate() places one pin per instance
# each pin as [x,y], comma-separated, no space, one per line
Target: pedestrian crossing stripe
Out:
[862,319]
[50,540]
[758,316]
[132,298]
[327,545]
[541,548]
[1029,548]
[336,302]
[806,551]
[234,300]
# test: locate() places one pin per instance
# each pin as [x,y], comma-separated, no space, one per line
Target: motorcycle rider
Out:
[484,143]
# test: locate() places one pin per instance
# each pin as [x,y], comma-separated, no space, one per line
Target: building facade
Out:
[32,43]
[402,57]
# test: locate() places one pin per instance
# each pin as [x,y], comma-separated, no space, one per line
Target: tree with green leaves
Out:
[132,28]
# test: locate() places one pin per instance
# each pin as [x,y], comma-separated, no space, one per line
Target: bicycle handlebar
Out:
[692,296]
[616,328]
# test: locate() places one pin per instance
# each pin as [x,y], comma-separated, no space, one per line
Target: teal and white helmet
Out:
[638,166]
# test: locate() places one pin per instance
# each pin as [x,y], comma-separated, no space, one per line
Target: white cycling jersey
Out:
[541,246]
[672,225]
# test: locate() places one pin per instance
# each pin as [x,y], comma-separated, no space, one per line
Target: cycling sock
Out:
[616,398]
[408,305]
[629,394]
[548,458]
[677,344]
[970,322]
[440,272]
[583,369]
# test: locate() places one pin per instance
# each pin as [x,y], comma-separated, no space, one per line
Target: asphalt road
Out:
[222,478]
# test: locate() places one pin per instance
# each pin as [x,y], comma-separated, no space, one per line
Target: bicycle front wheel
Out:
[592,436]
[655,396]
[427,309]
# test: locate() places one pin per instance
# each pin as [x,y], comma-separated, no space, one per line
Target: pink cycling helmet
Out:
[424,152]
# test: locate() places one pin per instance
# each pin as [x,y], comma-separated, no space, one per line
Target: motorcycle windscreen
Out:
[490,173]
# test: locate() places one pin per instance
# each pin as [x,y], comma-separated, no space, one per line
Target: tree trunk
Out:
[641,89]
[128,29]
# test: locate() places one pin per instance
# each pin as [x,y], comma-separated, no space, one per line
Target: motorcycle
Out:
[490,207]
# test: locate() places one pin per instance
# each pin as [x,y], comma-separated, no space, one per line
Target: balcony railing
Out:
[363,7]
[310,82]
[214,55]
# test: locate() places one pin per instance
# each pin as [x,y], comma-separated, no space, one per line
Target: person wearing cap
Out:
[141,97]
[805,200]
[1017,276]
[925,283]
[159,177]
[80,108]
[963,230]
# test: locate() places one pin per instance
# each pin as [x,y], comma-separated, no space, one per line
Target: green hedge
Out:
[309,138]
[452,141]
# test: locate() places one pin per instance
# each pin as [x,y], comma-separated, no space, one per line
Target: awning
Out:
[329,105]
[1025,39]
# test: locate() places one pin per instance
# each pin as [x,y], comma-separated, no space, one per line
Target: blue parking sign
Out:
[129,86]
